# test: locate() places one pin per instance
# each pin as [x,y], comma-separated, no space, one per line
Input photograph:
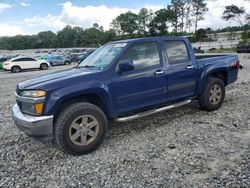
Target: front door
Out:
[144,86]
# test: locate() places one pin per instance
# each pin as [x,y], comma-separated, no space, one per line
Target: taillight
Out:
[238,64]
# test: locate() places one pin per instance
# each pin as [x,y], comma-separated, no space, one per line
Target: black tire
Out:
[65,120]
[66,63]
[44,66]
[207,100]
[16,69]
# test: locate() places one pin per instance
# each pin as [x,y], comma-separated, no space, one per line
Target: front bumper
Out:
[32,125]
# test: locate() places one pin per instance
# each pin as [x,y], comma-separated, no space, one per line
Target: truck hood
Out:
[52,79]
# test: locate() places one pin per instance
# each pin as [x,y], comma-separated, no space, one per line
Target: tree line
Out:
[176,19]
[179,16]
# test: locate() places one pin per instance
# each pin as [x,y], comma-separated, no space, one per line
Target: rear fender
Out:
[208,72]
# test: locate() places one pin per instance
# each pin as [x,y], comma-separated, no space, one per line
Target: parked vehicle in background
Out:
[243,49]
[82,57]
[2,59]
[60,60]
[18,64]
[198,50]
[49,57]
[85,55]
[73,57]
[120,81]
[88,52]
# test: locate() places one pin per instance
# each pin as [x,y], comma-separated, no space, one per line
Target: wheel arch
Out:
[221,73]
[15,65]
[98,96]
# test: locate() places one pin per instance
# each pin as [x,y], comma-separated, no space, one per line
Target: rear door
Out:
[60,61]
[181,72]
[144,86]
[32,63]
[21,62]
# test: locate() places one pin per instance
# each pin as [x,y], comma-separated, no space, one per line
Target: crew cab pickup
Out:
[120,81]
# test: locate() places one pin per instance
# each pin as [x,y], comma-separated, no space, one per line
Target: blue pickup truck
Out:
[120,81]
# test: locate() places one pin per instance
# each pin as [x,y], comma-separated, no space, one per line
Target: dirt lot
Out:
[184,147]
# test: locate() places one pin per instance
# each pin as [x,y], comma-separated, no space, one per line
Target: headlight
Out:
[33,93]
[33,103]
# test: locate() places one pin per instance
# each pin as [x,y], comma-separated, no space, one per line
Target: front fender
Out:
[56,98]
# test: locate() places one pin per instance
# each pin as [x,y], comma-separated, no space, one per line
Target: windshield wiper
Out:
[86,66]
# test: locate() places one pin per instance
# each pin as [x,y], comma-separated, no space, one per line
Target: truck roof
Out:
[150,38]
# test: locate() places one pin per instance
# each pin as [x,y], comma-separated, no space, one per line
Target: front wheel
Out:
[80,128]
[213,94]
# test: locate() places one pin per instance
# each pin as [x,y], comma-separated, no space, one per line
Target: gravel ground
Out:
[184,147]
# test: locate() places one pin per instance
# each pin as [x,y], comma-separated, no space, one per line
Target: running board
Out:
[150,112]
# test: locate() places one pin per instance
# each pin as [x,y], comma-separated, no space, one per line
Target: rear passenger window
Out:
[24,59]
[29,59]
[20,59]
[176,52]
[143,55]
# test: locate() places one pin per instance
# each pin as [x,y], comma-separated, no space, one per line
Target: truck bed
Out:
[203,56]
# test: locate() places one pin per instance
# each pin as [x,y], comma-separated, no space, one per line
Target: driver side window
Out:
[143,55]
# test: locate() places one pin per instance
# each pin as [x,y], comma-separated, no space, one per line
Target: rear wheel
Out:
[213,94]
[80,128]
[67,63]
[15,69]
[44,66]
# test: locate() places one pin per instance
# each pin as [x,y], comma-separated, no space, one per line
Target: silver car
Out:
[60,60]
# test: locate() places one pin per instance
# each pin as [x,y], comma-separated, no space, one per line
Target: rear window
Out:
[176,52]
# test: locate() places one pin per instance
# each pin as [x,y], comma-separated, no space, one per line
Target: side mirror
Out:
[125,65]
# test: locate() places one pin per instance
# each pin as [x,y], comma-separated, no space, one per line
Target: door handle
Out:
[159,72]
[190,67]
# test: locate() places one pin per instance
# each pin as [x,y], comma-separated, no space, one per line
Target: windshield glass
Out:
[103,56]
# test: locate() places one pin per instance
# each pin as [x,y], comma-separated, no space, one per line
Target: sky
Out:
[28,17]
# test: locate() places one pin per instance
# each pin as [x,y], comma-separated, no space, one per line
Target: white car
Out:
[18,64]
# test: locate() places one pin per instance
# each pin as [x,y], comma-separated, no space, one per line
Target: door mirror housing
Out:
[125,65]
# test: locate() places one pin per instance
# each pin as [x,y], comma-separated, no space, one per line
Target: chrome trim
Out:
[32,125]
[29,99]
[150,112]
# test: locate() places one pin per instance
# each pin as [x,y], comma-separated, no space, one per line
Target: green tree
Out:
[200,35]
[46,39]
[232,12]
[182,12]
[128,22]
[248,18]
[143,20]
[175,13]
[199,8]
[159,24]
[66,37]
[116,27]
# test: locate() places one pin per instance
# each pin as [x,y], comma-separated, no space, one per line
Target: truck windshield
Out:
[103,56]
